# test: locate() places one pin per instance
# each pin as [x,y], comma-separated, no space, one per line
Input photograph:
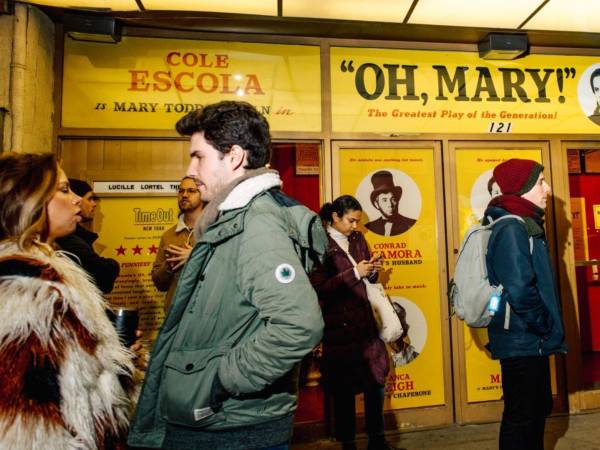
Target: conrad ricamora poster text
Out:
[130,229]
[396,189]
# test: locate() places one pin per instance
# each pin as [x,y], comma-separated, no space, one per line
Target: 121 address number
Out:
[500,127]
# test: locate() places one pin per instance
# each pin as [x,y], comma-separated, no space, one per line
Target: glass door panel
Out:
[469,166]
[408,234]
[584,188]
[299,166]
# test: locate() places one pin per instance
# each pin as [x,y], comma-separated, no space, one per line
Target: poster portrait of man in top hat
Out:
[385,197]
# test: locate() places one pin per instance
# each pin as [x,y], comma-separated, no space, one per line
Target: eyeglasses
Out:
[188,190]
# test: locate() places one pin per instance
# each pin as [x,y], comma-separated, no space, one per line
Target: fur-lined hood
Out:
[237,194]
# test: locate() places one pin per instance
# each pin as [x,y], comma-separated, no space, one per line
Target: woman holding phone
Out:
[354,357]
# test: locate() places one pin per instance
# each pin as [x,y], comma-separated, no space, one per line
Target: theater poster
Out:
[475,188]
[400,91]
[149,83]
[396,189]
[129,231]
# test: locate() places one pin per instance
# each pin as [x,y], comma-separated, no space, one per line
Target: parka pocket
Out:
[187,385]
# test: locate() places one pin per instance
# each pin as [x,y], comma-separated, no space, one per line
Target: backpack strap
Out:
[304,229]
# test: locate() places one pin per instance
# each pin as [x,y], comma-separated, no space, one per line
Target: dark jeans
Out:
[344,413]
[527,402]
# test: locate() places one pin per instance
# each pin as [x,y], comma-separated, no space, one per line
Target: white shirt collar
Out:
[181,225]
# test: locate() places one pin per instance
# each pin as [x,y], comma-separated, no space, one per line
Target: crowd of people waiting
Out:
[244,312]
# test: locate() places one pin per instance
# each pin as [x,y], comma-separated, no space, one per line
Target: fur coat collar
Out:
[65,379]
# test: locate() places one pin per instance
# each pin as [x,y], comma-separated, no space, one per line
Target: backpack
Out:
[305,230]
[470,293]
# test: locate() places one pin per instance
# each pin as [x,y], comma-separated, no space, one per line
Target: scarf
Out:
[530,212]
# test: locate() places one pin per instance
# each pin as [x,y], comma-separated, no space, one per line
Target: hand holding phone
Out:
[375,257]
[376,261]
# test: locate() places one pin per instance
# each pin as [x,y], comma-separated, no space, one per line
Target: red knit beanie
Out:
[517,176]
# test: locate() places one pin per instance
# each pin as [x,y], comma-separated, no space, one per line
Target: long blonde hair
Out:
[27,183]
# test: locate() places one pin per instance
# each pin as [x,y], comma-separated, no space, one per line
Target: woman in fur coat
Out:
[66,382]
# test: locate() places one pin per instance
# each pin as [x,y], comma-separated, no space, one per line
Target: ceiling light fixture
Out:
[503,46]
[92,28]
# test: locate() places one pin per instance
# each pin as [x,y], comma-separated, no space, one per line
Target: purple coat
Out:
[353,353]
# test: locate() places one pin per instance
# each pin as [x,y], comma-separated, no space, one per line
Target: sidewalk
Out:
[576,432]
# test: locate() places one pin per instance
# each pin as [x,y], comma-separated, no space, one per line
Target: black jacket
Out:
[535,326]
[104,271]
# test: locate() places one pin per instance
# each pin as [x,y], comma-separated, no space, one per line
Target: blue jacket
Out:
[535,326]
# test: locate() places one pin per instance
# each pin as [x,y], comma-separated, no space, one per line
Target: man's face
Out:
[188,197]
[538,194]
[596,88]
[387,203]
[208,167]
[88,206]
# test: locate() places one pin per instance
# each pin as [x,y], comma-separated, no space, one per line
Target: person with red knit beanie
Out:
[528,325]
[517,176]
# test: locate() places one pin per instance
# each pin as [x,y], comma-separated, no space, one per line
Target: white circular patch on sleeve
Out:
[285,273]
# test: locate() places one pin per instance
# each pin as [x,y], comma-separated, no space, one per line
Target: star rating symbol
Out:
[153,249]
[120,250]
[137,250]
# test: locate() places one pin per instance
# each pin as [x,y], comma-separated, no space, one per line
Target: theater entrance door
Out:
[399,186]
[579,241]
[477,380]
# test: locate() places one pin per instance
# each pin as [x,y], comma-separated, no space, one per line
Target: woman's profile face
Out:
[63,209]
[348,222]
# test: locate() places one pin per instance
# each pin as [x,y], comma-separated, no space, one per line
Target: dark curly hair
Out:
[595,73]
[230,123]
[340,206]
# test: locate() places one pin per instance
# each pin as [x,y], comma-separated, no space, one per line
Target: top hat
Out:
[383,181]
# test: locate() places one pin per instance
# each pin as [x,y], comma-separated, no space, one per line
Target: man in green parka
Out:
[223,371]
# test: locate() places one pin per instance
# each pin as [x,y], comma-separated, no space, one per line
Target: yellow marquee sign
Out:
[149,83]
[408,91]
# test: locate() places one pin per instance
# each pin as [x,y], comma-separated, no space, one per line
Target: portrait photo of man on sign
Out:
[588,93]
[385,197]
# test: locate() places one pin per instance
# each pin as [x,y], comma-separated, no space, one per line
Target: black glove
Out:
[218,394]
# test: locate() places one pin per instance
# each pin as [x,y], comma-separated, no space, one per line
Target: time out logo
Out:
[158,216]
